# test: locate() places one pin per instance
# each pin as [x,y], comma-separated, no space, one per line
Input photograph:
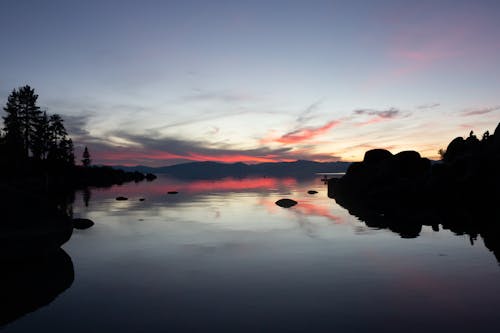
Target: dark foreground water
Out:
[220,256]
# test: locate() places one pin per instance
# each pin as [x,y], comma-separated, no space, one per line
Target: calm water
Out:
[220,256]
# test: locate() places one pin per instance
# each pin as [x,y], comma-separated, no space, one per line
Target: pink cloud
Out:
[303,134]
[372,121]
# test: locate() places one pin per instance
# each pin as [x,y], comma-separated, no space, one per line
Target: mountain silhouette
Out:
[216,170]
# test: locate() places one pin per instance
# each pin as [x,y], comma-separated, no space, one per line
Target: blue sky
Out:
[162,82]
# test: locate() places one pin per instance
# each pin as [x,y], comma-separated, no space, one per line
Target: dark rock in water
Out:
[82,224]
[121,198]
[142,199]
[312,192]
[286,203]
[172,192]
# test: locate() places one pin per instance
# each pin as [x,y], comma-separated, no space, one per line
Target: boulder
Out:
[121,198]
[409,164]
[172,192]
[455,148]
[376,156]
[312,192]
[82,223]
[286,203]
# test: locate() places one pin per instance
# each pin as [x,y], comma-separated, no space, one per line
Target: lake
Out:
[220,256]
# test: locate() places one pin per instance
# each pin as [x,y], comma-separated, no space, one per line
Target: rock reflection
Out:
[473,221]
[31,283]
[35,270]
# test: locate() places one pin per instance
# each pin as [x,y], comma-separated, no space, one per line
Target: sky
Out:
[163,82]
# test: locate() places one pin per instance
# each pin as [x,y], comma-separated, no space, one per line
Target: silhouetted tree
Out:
[22,117]
[12,127]
[67,155]
[3,152]
[86,158]
[442,153]
[41,140]
[60,147]
[34,135]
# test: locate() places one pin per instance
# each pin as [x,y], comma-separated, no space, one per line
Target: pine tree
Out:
[21,121]
[12,123]
[29,114]
[41,141]
[86,158]
[66,155]
[33,135]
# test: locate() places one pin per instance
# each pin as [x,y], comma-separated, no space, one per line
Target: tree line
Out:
[32,137]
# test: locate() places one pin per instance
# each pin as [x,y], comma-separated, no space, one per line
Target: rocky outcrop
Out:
[382,178]
[404,191]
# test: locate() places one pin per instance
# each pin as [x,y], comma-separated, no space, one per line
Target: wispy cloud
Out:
[428,106]
[75,125]
[377,116]
[306,115]
[386,114]
[221,96]
[480,111]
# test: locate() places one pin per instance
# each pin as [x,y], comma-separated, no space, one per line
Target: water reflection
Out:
[221,256]
[35,224]
[472,221]
[31,283]
[86,195]
[263,192]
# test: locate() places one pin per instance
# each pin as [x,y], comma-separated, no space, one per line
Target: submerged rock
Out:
[142,199]
[121,198]
[172,192]
[286,203]
[82,223]
[312,192]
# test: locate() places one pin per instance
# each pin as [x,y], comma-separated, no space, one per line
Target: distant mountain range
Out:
[214,170]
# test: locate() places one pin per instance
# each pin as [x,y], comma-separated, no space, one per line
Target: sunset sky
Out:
[162,82]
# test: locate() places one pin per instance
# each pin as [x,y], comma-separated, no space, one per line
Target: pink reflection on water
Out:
[163,185]
[303,207]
